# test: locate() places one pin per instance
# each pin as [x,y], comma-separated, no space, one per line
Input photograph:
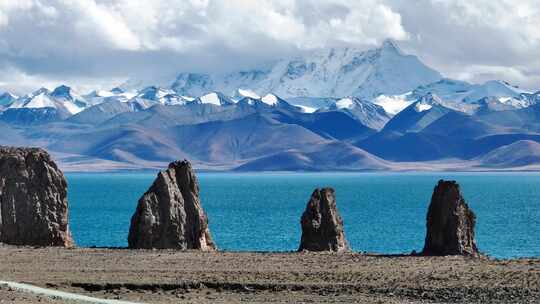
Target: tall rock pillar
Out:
[450,223]
[322,226]
[33,199]
[170,215]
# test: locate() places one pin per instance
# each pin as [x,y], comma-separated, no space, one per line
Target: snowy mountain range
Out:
[324,73]
[333,109]
[384,76]
[61,99]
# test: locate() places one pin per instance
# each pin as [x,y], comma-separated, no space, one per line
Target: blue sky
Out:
[99,43]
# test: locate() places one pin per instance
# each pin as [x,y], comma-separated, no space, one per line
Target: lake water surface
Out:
[382,212]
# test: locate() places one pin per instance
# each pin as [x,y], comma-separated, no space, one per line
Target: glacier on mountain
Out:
[61,99]
[343,79]
[331,72]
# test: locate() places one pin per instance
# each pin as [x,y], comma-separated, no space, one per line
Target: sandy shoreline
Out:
[166,276]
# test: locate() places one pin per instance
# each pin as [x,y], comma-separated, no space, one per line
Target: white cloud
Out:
[151,25]
[20,82]
[517,21]
[3,19]
[164,24]
[486,72]
[104,22]
[462,37]
[77,40]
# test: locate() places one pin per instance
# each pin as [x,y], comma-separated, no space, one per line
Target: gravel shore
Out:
[166,276]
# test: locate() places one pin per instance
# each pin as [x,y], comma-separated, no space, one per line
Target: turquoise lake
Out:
[382,212]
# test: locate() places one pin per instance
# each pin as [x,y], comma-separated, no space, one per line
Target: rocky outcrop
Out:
[169,214]
[450,223]
[322,226]
[33,199]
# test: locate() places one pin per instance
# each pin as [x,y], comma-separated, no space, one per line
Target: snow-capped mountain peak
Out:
[72,101]
[62,99]
[214,98]
[154,93]
[269,102]
[462,96]
[195,84]
[37,99]
[427,102]
[275,101]
[394,104]
[39,91]
[367,112]
[344,103]
[116,94]
[7,99]
[391,46]
[250,102]
[319,73]
[248,93]
[493,104]
[174,99]
[211,98]
[270,99]
[117,90]
[62,91]
[99,93]
[431,98]
[493,88]
[421,107]
[448,89]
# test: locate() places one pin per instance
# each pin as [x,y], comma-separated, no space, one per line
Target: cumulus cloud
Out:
[105,41]
[473,39]
[73,39]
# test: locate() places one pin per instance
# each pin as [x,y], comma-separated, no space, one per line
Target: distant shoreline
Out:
[271,252]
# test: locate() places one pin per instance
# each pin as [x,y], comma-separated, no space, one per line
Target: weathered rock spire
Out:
[322,226]
[450,223]
[169,214]
[33,199]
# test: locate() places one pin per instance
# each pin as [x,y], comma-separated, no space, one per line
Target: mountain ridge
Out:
[321,73]
[379,109]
